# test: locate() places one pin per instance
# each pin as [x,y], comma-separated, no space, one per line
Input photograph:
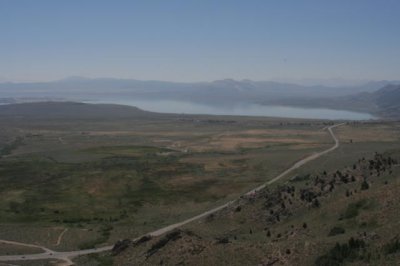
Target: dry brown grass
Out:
[187,180]
[232,142]
[368,133]
[281,132]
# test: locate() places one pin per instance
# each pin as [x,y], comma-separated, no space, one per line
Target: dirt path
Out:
[65,257]
[59,239]
[61,140]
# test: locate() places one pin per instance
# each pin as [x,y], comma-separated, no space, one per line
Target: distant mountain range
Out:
[378,97]
[225,90]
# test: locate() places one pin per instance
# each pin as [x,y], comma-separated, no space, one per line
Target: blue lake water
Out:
[185,107]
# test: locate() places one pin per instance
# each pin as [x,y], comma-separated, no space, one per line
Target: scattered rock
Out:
[223,240]
[120,246]
[172,236]
[141,240]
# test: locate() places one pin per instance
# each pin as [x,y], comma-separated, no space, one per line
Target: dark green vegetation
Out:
[353,209]
[392,247]
[9,147]
[336,231]
[348,252]
[126,179]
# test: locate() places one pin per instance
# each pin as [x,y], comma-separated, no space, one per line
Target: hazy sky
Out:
[191,40]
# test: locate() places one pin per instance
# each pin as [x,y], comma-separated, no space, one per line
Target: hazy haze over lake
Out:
[186,107]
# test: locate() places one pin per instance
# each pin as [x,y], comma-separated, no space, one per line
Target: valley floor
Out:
[85,183]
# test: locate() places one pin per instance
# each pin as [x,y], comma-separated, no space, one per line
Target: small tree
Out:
[364,185]
[316,203]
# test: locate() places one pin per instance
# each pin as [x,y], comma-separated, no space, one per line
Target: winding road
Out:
[67,256]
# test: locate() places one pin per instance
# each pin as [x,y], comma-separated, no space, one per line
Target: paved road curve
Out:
[66,256]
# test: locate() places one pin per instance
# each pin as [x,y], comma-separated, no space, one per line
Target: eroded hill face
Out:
[327,218]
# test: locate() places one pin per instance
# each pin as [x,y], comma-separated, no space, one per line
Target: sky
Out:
[200,40]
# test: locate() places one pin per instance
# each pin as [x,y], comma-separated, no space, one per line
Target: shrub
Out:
[353,209]
[340,253]
[300,178]
[392,247]
[336,231]
[364,185]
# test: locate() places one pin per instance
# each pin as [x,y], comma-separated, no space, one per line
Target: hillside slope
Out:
[388,100]
[347,216]
[72,110]
[384,102]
